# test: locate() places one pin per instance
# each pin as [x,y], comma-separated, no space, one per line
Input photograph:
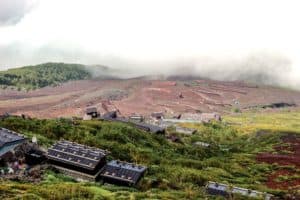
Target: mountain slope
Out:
[47,74]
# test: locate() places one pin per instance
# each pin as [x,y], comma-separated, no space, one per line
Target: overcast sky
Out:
[204,37]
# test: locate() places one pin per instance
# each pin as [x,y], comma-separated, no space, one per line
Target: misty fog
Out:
[136,38]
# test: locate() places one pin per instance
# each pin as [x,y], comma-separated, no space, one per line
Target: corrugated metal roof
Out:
[214,186]
[217,186]
[8,136]
[76,154]
[91,109]
[123,171]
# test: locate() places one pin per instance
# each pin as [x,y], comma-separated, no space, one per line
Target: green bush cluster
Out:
[38,76]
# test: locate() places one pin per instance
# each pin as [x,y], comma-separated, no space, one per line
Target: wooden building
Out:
[77,160]
[34,156]
[122,173]
[157,115]
[9,140]
[92,111]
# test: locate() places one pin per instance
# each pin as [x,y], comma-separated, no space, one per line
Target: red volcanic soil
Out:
[291,148]
[141,96]
[286,154]
[274,181]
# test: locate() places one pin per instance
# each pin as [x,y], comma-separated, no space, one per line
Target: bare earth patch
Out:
[141,96]
[287,154]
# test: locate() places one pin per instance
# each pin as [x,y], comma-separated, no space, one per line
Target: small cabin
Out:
[35,156]
[122,173]
[77,160]
[157,115]
[214,188]
[92,111]
[9,140]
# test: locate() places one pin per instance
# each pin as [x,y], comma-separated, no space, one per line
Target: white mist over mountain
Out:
[224,40]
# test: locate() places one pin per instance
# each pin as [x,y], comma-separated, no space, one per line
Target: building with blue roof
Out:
[9,140]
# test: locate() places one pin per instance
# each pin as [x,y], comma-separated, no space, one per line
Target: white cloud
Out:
[12,11]
[152,34]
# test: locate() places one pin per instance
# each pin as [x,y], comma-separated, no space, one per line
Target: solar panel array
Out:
[123,171]
[8,136]
[76,154]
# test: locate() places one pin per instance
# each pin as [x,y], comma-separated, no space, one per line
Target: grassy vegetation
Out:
[250,122]
[175,170]
[48,74]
